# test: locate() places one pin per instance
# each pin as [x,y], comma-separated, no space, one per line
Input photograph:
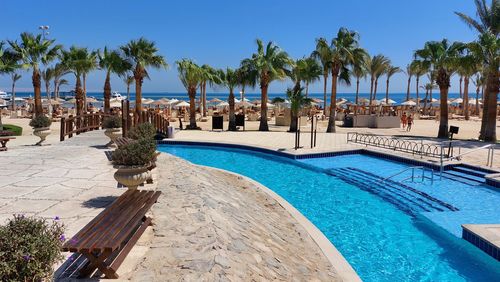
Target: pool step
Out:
[403,196]
[464,177]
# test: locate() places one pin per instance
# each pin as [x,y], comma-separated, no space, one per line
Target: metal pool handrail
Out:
[413,168]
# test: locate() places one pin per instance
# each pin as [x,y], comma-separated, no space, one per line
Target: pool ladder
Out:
[413,176]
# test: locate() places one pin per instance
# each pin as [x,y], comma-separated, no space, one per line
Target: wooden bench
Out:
[3,142]
[109,237]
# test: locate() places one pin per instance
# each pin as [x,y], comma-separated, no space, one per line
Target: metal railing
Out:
[422,177]
[436,150]
[489,159]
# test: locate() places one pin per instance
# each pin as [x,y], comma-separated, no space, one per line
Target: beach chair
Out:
[108,238]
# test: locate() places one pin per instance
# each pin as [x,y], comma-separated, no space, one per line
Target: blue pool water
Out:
[379,239]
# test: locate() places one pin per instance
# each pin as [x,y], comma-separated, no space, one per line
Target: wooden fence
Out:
[82,123]
[131,119]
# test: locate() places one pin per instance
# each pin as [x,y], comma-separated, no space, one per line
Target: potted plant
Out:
[41,127]
[133,161]
[113,130]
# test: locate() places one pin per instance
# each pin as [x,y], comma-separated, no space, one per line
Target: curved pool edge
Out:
[342,267]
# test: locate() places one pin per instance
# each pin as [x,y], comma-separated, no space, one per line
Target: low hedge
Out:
[17,130]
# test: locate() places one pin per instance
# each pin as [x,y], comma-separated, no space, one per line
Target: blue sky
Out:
[222,32]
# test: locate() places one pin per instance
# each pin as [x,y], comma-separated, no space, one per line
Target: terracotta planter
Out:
[112,133]
[132,176]
[42,133]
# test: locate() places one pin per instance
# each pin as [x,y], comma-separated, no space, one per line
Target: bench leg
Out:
[97,262]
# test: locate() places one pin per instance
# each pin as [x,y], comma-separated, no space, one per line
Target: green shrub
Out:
[29,247]
[143,130]
[112,122]
[16,130]
[40,121]
[137,153]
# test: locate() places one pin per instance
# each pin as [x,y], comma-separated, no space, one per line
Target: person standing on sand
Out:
[404,120]
[410,122]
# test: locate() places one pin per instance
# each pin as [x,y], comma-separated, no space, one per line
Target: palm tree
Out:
[61,82]
[419,68]
[345,51]
[324,55]
[33,51]
[359,71]
[487,51]
[297,101]
[442,57]
[76,60]
[142,53]
[468,65]
[478,81]
[488,26]
[376,67]
[270,63]
[311,73]
[211,76]
[129,79]
[391,70]
[59,71]
[428,89]
[246,77]
[14,77]
[488,17]
[191,76]
[90,65]
[111,62]
[409,73]
[229,78]
[47,75]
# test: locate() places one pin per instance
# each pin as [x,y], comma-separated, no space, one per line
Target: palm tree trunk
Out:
[47,92]
[204,86]
[307,88]
[56,95]
[294,122]
[375,89]
[192,108]
[325,82]
[243,98]
[488,132]
[443,119]
[372,81]
[357,97]
[408,88]
[79,96]
[138,93]
[333,103]
[476,111]
[13,95]
[387,92]
[38,93]
[417,80]
[425,101]
[460,83]
[128,91]
[263,126]
[232,116]
[465,103]
[107,93]
[84,76]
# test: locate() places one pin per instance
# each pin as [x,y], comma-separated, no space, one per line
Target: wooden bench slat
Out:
[116,241]
[106,230]
[89,227]
[98,223]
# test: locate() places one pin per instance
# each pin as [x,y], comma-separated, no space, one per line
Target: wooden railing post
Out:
[63,124]
[69,126]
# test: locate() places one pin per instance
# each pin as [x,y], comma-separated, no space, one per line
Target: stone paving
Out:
[211,225]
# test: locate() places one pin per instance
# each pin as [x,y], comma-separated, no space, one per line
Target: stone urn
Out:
[112,134]
[42,133]
[132,176]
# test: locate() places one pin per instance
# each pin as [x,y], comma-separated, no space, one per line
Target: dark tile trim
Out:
[482,244]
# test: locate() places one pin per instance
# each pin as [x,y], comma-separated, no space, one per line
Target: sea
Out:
[398,97]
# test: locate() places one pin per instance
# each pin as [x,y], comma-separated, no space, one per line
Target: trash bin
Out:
[170,132]
[348,121]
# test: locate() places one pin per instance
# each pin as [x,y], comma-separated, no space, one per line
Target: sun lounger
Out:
[108,238]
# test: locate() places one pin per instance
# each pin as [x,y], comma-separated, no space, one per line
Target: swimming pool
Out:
[381,238]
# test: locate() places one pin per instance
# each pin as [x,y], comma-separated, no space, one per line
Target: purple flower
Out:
[56,218]
[62,238]
[27,257]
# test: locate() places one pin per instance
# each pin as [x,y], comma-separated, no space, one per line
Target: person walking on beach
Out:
[410,122]
[404,120]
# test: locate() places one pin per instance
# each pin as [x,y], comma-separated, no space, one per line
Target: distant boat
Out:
[4,95]
[117,96]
